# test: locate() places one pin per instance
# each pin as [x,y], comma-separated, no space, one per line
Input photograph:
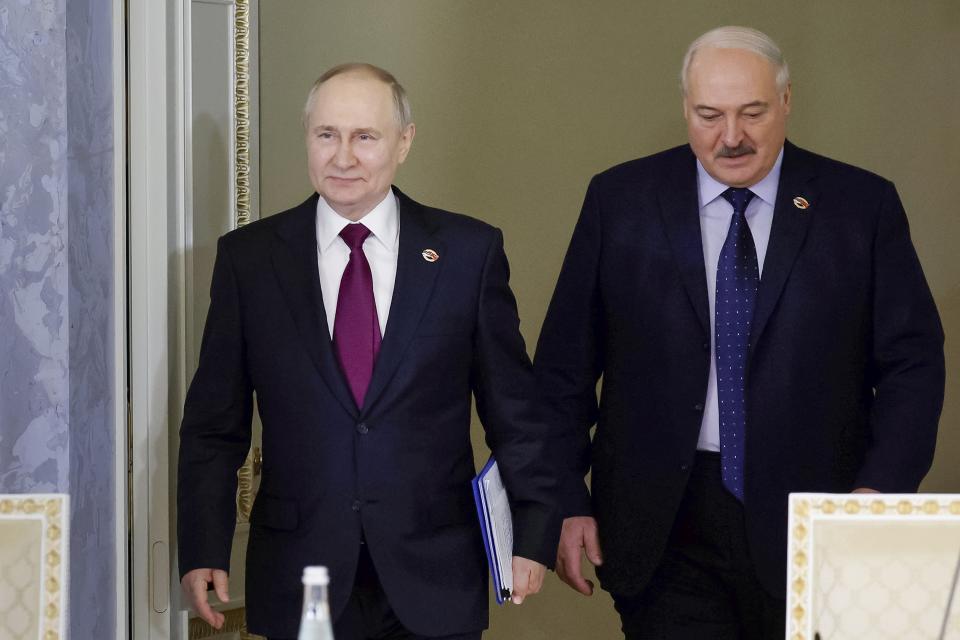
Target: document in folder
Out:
[496,524]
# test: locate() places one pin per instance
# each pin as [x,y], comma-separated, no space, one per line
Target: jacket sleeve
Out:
[569,357]
[505,391]
[907,369]
[215,432]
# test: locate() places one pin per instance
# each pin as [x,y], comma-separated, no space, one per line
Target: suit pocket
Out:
[275,513]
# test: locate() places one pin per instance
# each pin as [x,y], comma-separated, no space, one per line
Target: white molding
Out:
[183,268]
[156,210]
[121,486]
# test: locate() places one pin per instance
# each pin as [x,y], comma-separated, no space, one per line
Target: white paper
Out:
[494,495]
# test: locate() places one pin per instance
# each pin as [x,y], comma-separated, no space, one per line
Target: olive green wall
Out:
[518,103]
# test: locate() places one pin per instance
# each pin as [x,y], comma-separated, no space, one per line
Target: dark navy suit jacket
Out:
[397,471]
[845,374]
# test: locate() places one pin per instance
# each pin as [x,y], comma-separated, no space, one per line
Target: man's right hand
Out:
[194,585]
[578,533]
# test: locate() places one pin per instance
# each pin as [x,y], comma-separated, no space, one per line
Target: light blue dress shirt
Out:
[715,215]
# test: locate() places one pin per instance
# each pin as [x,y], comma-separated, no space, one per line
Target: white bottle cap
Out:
[316,575]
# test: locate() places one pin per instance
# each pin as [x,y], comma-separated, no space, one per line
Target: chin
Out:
[741,178]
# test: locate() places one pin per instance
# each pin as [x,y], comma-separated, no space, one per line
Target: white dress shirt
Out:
[380,247]
[715,215]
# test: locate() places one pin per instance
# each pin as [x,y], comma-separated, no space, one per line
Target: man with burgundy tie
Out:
[761,324]
[364,322]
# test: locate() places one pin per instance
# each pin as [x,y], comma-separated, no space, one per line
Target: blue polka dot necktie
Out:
[738,276]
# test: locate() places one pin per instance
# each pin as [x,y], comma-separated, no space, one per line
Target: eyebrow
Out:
[756,103]
[330,127]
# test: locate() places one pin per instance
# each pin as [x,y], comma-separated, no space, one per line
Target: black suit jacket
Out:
[845,373]
[397,471]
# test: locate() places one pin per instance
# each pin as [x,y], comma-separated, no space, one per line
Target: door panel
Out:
[221,133]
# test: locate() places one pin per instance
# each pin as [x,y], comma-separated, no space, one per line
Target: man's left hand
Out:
[865,490]
[527,578]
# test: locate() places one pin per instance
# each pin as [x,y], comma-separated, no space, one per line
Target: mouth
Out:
[343,180]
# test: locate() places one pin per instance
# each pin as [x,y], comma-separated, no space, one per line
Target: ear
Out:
[406,140]
[786,99]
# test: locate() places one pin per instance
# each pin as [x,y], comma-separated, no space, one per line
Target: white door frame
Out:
[120,346]
[156,143]
[160,290]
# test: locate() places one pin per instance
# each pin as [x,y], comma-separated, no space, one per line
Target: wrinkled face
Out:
[736,118]
[354,143]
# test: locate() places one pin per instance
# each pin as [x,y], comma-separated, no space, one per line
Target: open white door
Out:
[192,134]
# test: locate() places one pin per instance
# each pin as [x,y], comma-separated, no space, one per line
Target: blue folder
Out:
[489,545]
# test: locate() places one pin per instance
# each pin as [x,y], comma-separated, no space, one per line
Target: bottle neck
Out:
[315,605]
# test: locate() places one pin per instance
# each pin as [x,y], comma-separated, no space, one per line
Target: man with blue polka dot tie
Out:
[761,325]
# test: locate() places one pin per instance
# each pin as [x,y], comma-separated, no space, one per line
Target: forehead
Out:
[730,74]
[351,97]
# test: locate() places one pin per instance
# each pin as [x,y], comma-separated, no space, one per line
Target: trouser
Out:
[705,587]
[369,616]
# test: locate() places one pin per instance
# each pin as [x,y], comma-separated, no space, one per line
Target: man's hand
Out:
[578,533]
[527,578]
[194,585]
[865,490]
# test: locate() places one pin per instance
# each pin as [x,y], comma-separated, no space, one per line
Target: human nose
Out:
[732,133]
[344,157]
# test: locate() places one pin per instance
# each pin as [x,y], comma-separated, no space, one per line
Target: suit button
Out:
[356,505]
[706,346]
[698,407]
[684,467]
[362,428]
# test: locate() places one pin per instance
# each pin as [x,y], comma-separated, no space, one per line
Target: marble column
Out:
[56,280]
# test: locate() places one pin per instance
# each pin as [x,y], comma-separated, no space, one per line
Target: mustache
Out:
[735,152]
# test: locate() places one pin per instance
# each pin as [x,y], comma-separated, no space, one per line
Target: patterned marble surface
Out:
[90,266]
[34,331]
[56,279]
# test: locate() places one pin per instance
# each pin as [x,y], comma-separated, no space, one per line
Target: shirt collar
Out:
[766,189]
[382,220]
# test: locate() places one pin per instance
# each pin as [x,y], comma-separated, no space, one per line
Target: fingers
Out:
[194,585]
[527,578]
[591,543]
[537,574]
[220,585]
[578,534]
[568,570]
[521,582]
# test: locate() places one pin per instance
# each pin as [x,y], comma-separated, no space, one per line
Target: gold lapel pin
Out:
[430,255]
[801,203]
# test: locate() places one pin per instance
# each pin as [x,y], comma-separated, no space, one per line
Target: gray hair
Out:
[738,38]
[401,103]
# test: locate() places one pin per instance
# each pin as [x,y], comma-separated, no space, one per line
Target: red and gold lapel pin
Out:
[430,255]
[801,203]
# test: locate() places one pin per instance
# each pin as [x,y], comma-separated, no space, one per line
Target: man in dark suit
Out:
[761,324]
[363,322]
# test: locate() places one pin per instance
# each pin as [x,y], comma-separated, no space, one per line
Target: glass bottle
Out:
[315,621]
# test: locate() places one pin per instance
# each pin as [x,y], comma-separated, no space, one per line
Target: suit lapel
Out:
[787,234]
[680,211]
[411,292]
[295,263]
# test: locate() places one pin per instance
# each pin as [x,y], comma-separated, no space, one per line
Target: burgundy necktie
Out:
[356,330]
